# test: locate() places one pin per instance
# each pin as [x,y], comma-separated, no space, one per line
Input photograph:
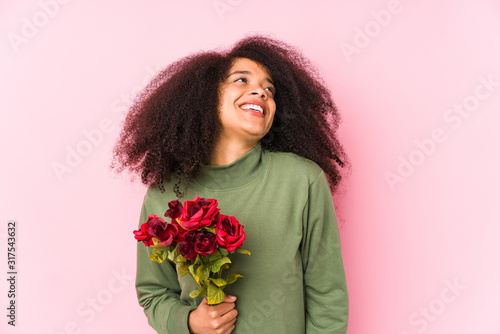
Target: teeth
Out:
[253,107]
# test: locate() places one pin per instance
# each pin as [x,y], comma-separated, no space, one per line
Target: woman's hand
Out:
[219,319]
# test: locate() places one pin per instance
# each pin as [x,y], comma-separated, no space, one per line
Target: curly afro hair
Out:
[174,123]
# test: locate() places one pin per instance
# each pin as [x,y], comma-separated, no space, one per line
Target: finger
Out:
[229,316]
[229,298]
[229,330]
[231,323]
[228,327]
[219,310]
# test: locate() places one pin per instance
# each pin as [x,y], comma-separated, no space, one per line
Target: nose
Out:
[258,90]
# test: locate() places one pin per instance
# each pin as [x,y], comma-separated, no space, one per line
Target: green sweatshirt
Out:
[294,280]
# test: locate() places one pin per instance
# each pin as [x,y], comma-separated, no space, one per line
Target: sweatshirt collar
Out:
[236,174]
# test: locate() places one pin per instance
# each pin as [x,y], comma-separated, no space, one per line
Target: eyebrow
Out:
[249,73]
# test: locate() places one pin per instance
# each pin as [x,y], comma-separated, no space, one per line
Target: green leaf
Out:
[218,281]
[159,254]
[215,295]
[183,271]
[242,251]
[191,271]
[215,267]
[215,256]
[158,246]
[203,272]
[210,229]
[231,278]
[196,293]
[176,257]
[182,268]
[172,254]
[223,251]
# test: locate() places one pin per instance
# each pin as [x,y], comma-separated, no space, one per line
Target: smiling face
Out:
[247,104]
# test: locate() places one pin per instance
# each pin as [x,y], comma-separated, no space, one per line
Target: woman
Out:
[254,128]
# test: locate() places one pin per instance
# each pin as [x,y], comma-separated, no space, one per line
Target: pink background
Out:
[397,70]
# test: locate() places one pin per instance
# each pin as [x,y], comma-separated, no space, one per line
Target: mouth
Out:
[253,107]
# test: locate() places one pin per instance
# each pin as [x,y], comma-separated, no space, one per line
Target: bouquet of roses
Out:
[198,240]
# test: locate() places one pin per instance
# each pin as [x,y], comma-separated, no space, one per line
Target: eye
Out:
[271,89]
[242,79]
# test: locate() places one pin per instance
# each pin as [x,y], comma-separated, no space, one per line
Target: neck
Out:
[227,151]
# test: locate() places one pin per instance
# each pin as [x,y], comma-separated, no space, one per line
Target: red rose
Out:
[159,229]
[175,209]
[198,213]
[190,237]
[205,243]
[143,235]
[229,232]
[186,247]
[181,232]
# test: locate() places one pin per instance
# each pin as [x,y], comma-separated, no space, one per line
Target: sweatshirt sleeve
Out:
[327,302]
[158,290]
